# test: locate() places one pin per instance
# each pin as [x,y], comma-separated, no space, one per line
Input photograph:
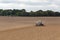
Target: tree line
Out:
[23,12]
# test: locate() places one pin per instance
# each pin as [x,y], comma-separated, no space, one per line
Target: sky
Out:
[29,5]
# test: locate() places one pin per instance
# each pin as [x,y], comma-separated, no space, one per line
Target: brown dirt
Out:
[23,28]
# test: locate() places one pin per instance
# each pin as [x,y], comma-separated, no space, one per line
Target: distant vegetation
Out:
[23,12]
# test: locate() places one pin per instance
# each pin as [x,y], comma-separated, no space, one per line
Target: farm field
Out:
[23,28]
